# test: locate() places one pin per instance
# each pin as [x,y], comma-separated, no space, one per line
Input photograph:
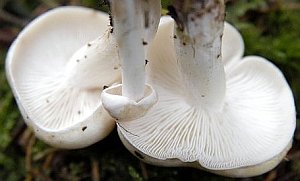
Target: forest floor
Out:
[270,28]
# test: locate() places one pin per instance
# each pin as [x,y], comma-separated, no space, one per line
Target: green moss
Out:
[269,30]
[271,33]
[8,112]
[134,174]
[11,162]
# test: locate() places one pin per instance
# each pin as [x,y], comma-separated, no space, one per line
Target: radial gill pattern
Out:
[36,67]
[51,104]
[256,121]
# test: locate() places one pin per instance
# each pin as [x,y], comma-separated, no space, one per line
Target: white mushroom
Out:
[135,24]
[57,72]
[235,119]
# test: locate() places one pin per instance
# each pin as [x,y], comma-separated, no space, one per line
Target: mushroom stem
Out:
[135,24]
[133,30]
[127,18]
[198,47]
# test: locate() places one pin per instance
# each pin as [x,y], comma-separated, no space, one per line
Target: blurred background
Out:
[270,28]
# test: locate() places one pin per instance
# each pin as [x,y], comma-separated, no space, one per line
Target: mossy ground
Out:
[271,28]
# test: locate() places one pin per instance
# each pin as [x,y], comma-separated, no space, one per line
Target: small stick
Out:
[50,3]
[95,169]
[144,170]
[28,157]
[12,19]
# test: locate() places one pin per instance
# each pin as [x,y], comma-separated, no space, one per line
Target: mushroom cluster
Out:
[216,110]
[61,62]
[180,90]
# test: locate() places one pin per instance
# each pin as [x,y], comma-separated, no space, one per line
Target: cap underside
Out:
[255,124]
[37,62]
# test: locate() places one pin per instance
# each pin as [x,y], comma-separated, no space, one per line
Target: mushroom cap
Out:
[255,125]
[63,115]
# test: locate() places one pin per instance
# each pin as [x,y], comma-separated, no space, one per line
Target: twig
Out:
[44,154]
[95,169]
[48,160]
[20,126]
[25,138]
[50,3]
[28,157]
[6,38]
[12,18]
[144,170]
[75,2]
[271,176]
